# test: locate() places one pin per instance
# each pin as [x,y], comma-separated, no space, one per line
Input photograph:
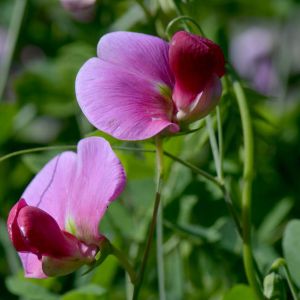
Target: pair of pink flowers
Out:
[138,87]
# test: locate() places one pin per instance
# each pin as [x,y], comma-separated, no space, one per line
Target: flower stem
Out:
[214,146]
[220,140]
[124,262]
[159,223]
[13,33]
[247,187]
[140,277]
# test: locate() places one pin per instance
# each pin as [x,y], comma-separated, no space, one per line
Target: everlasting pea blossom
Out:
[82,10]
[140,86]
[54,226]
[252,54]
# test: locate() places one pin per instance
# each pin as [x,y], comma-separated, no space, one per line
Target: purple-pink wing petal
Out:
[49,190]
[138,53]
[32,265]
[98,180]
[123,104]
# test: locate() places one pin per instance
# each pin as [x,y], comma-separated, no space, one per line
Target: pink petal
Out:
[49,190]
[32,265]
[123,104]
[98,180]
[13,228]
[204,103]
[138,53]
[43,236]
[193,60]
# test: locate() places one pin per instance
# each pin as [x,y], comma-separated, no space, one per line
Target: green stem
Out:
[159,223]
[37,149]
[214,146]
[194,169]
[247,187]
[140,278]
[220,140]
[185,25]
[280,262]
[13,33]
[290,282]
[124,262]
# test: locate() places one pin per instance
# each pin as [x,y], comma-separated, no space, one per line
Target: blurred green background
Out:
[202,249]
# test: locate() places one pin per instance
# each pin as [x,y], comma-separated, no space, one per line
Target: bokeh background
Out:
[261,39]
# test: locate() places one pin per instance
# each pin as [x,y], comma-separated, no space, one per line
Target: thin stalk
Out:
[290,282]
[220,141]
[247,187]
[214,146]
[124,262]
[159,224]
[194,169]
[11,41]
[37,149]
[140,278]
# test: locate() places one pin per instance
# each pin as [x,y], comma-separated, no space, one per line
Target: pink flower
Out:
[82,10]
[54,226]
[139,85]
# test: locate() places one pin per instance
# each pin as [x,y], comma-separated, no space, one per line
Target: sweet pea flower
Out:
[140,86]
[54,227]
[81,10]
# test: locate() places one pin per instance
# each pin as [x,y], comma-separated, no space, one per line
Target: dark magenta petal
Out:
[42,235]
[13,228]
[193,60]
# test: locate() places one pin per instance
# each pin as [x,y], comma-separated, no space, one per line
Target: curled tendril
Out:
[183,19]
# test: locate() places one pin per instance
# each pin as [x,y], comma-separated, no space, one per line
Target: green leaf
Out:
[240,291]
[29,290]
[274,218]
[291,248]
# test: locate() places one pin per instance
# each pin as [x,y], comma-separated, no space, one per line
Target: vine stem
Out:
[159,223]
[11,41]
[214,146]
[159,183]
[247,187]
[220,140]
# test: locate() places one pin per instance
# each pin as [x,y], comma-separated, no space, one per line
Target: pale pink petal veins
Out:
[49,190]
[138,53]
[98,180]
[126,105]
